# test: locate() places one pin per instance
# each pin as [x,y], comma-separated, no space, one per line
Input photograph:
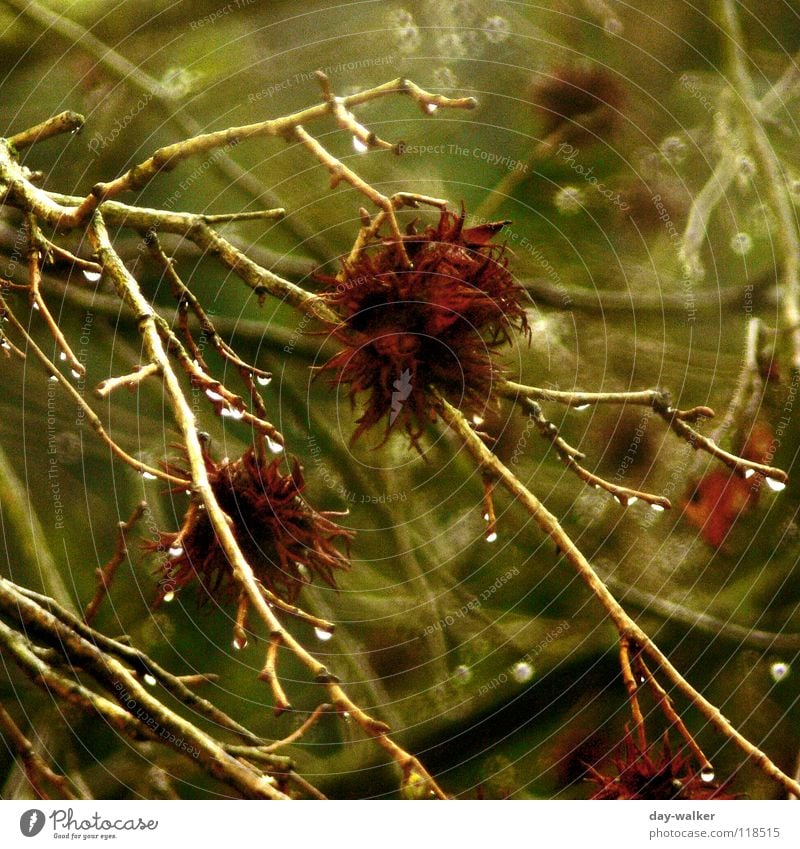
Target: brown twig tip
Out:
[64,122]
[570,456]
[270,674]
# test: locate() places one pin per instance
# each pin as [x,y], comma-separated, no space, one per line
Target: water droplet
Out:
[178,82]
[4,345]
[748,473]
[274,447]
[62,356]
[741,243]
[76,374]
[745,167]
[53,379]
[149,476]
[477,420]
[496,29]
[175,551]
[450,45]
[92,276]
[263,380]
[582,407]
[779,670]
[168,597]
[462,674]
[35,306]
[322,634]
[240,642]
[407,37]
[148,679]
[659,508]
[430,108]
[633,499]
[231,413]
[491,537]
[400,18]
[213,396]
[569,200]
[621,499]
[775,486]
[359,146]
[187,492]
[522,671]
[445,78]
[707,774]
[673,149]
[485,517]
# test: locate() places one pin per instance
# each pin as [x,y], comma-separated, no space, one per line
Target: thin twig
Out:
[269,674]
[91,416]
[129,381]
[299,732]
[129,292]
[570,456]
[632,689]
[64,122]
[626,627]
[113,675]
[658,605]
[170,156]
[105,575]
[37,770]
[665,703]
[678,420]
[143,665]
[38,302]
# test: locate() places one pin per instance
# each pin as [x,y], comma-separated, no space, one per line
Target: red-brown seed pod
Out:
[436,324]
[286,542]
[642,775]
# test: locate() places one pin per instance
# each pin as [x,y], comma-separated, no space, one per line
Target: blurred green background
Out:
[413,646]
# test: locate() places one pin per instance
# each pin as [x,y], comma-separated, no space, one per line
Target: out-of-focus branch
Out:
[775,176]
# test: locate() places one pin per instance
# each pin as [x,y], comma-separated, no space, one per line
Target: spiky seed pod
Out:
[641,775]
[436,324]
[286,542]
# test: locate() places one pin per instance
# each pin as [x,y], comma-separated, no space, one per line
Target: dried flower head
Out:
[436,324]
[285,541]
[642,776]
[582,100]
